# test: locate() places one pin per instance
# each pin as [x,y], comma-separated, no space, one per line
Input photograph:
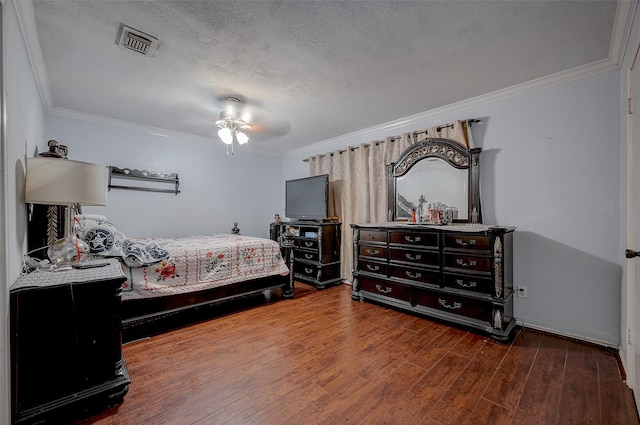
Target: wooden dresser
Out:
[316,252]
[459,273]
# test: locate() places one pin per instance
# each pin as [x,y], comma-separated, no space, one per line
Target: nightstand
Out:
[66,351]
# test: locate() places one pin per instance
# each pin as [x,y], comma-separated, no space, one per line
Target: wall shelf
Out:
[152,180]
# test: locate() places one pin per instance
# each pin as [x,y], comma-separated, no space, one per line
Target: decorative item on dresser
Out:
[461,272]
[66,343]
[316,252]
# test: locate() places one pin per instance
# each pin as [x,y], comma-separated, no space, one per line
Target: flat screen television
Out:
[307,198]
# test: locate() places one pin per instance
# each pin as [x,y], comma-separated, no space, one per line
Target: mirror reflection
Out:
[431,175]
[432,181]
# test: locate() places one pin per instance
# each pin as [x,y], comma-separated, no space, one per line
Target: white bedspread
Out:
[202,262]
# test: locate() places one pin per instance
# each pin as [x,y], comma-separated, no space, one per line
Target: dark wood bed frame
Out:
[145,317]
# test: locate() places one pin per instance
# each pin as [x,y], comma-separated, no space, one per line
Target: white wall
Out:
[25,129]
[216,190]
[550,166]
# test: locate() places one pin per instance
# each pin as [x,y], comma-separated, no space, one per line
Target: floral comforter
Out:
[202,262]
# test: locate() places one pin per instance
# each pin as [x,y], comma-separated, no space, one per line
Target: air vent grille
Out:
[137,41]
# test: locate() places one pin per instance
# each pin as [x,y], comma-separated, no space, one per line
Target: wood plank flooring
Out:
[322,358]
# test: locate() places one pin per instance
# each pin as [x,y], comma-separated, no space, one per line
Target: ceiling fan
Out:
[238,121]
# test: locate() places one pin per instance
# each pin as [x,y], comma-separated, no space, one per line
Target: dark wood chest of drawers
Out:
[66,344]
[461,273]
[316,252]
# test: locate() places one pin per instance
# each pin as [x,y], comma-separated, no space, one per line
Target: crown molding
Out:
[386,129]
[623,21]
[27,24]
[625,14]
[161,132]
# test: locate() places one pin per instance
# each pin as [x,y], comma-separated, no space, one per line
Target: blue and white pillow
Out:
[105,239]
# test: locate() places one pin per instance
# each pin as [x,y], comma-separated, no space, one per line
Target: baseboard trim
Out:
[568,335]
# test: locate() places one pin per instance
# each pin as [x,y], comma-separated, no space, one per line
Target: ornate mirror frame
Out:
[453,154]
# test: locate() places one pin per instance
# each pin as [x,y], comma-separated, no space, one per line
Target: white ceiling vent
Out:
[137,41]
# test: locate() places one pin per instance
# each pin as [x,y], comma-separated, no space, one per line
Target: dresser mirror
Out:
[435,171]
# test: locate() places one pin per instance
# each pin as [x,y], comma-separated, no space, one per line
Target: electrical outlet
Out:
[521,292]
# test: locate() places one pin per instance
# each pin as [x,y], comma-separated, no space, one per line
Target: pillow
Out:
[103,238]
[96,217]
[138,254]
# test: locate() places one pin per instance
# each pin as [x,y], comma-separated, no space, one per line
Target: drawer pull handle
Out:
[413,257]
[308,256]
[471,263]
[373,268]
[372,236]
[418,275]
[412,239]
[308,271]
[471,284]
[462,242]
[384,291]
[455,306]
[373,251]
[308,244]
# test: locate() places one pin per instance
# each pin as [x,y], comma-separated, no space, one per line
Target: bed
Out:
[172,281]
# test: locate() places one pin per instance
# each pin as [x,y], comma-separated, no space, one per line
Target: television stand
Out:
[316,252]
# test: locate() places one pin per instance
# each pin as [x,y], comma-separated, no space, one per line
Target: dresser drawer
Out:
[388,289]
[469,283]
[476,242]
[469,307]
[373,251]
[307,243]
[372,267]
[413,238]
[312,256]
[373,236]
[467,262]
[415,256]
[316,273]
[415,274]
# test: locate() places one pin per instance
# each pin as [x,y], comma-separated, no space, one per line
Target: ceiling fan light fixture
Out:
[225,135]
[242,138]
[231,126]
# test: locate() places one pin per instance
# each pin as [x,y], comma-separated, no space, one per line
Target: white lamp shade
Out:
[242,138]
[57,181]
[225,135]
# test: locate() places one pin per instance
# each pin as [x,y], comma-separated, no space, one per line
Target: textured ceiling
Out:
[311,70]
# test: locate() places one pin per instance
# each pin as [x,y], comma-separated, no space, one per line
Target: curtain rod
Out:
[394,138]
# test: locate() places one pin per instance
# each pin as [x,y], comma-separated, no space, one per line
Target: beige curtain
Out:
[358,180]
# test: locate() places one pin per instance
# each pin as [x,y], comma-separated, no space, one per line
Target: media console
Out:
[316,251]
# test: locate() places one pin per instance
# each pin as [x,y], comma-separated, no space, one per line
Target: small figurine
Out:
[235,230]
[56,150]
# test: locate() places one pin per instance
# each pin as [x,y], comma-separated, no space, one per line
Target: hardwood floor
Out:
[322,358]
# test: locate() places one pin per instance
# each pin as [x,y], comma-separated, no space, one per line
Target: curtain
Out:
[358,179]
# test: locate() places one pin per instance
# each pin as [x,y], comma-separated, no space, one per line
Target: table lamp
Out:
[56,181]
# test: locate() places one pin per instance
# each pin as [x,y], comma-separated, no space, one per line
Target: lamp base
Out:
[67,251]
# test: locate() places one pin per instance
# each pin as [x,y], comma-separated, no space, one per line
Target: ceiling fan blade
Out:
[263,124]
[270,129]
